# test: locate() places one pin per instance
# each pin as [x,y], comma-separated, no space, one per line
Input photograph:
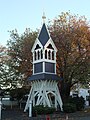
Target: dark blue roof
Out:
[43,36]
[44,76]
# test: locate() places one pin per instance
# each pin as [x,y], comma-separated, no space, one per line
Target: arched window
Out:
[50,47]
[41,54]
[35,55]
[45,54]
[37,47]
[49,54]
[52,55]
[38,55]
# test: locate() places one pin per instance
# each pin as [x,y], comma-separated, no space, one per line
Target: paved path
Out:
[14,114]
[17,114]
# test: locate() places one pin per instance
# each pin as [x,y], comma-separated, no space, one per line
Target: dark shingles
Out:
[43,36]
[44,76]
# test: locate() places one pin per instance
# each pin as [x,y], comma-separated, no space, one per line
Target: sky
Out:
[22,14]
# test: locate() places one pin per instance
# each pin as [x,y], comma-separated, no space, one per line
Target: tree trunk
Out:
[64,90]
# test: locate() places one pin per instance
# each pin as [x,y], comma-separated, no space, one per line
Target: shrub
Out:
[79,101]
[69,107]
[40,109]
[18,93]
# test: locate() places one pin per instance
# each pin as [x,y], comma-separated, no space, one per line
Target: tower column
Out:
[43,67]
[44,61]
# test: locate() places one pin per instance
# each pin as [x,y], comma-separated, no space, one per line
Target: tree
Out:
[7,77]
[71,35]
[19,50]
[3,59]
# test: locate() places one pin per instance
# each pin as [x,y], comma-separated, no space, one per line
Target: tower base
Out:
[44,93]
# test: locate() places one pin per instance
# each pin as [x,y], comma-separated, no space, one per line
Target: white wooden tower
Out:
[44,90]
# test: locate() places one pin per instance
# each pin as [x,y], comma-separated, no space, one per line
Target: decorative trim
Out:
[50,41]
[35,43]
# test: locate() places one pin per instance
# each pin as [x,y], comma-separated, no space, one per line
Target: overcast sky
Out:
[21,14]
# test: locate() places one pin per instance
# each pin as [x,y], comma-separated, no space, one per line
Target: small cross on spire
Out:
[43,17]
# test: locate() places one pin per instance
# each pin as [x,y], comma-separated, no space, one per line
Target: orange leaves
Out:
[71,35]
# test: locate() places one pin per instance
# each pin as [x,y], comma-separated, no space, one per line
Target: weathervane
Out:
[43,17]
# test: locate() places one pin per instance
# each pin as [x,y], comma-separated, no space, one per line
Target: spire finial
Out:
[43,17]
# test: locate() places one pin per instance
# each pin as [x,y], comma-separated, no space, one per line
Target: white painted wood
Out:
[43,67]
[55,68]
[44,90]
[30,108]
[29,96]
[43,72]
[44,60]
[50,41]
[35,43]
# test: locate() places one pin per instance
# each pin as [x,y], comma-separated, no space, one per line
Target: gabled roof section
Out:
[44,35]
[37,42]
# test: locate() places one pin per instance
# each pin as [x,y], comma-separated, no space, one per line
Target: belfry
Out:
[44,88]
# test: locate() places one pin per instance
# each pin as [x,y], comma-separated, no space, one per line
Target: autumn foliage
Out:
[71,35]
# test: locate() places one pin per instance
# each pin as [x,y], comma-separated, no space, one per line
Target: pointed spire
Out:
[43,17]
[44,35]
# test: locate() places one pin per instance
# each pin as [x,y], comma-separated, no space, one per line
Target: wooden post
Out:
[0,108]
[30,108]
[66,117]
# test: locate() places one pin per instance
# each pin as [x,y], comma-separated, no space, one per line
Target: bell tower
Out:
[44,90]
[44,54]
